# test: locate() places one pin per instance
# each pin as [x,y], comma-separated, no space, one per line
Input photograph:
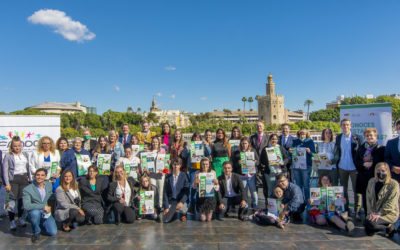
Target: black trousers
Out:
[17,186]
[372,227]
[122,211]
[229,202]
[74,216]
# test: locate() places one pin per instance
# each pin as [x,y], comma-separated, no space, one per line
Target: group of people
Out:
[47,186]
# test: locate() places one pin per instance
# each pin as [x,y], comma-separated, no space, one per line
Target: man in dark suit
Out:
[231,192]
[125,137]
[346,147]
[286,141]
[176,192]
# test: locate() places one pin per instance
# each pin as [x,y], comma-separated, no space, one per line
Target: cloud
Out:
[116,88]
[62,24]
[7,89]
[159,94]
[173,96]
[203,98]
[170,68]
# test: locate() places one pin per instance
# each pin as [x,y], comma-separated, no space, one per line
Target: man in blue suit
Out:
[286,141]
[176,192]
[125,137]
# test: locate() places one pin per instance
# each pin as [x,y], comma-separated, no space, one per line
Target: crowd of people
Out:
[46,186]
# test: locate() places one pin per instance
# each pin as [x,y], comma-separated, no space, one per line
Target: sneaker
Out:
[350,227]
[35,238]
[13,225]
[22,222]
[390,231]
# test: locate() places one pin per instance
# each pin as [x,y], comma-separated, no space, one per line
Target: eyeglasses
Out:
[46,143]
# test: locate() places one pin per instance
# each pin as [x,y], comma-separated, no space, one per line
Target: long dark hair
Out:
[162,128]
[224,140]
[240,134]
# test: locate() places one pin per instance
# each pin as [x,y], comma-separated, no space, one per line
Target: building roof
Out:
[58,105]
[235,113]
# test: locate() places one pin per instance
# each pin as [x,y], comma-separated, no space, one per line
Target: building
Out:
[57,107]
[235,116]
[271,107]
[335,103]
[173,117]
[295,116]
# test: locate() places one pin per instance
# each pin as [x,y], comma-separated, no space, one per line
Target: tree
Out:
[326,115]
[250,100]
[307,103]
[227,112]
[152,118]
[92,121]
[138,110]
[129,110]
[244,100]
[77,120]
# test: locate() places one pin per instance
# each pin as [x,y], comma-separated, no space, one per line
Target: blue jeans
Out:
[249,183]
[270,179]
[38,223]
[192,198]
[302,178]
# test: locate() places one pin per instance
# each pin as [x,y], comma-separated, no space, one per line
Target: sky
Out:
[195,55]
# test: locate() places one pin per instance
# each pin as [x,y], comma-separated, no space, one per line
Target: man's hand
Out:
[367,164]
[179,206]
[122,201]
[308,150]
[166,211]
[396,169]
[47,209]
[221,206]
[81,211]
[8,188]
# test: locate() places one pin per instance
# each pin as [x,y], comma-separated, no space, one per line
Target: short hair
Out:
[41,170]
[14,139]
[281,176]
[370,130]
[345,120]
[227,163]
[305,131]
[86,129]
[125,124]
[77,139]
[323,134]
[320,179]
[277,187]
[127,146]
[285,124]
[177,161]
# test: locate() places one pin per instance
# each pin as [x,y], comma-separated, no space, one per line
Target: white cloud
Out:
[173,96]
[203,98]
[170,68]
[62,24]
[159,94]
[116,88]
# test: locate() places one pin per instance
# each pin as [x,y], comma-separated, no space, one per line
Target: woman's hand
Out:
[216,182]
[122,201]
[308,150]
[47,209]
[310,201]
[367,164]
[197,181]
[81,211]
[329,162]
[8,188]
[282,206]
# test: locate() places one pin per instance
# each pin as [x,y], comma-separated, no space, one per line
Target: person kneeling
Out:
[121,195]
[68,199]
[382,202]
[231,192]
[293,198]
[35,197]
[146,187]
[176,192]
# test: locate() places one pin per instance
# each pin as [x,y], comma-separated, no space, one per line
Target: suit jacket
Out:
[182,188]
[121,139]
[392,156]
[289,142]
[111,196]
[254,143]
[356,141]
[9,166]
[237,186]
[64,203]
[31,196]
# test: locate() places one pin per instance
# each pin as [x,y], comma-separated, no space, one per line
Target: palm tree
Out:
[129,110]
[307,103]
[244,100]
[227,112]
[138,110]
[250,100]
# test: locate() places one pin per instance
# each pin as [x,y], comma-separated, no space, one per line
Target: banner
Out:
[376,115]
[148,160]
[30,128]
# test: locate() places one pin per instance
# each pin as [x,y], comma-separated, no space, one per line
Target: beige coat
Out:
[387,203]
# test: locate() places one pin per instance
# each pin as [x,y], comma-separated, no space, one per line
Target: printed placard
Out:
[104,164]
[321,161]
[148,160]
[146,203]
[206,185]
[83,162]
[234,145]
[248,162]
[275,159]
[162,162]
[51,168]
[136,149]
[299,158]
[196,151]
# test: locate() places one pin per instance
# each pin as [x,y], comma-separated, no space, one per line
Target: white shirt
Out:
[327,148]
[229,190]
[20,164]
[126,191]
[73,193]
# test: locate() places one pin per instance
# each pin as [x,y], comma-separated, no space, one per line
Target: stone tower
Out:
[271,108]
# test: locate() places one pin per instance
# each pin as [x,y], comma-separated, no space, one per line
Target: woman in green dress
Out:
[221,151]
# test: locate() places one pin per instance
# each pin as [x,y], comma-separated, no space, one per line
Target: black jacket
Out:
[112,198]
[356,141]
[182,188]
[90,196]
[237,186]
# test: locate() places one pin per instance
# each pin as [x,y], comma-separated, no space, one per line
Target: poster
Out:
[206,185]
[104,164]
[162,162]
[234,145]
[196,151]
[83,162]
[148,160]
[375,115]
[275,159]
[274,207]
[51,168]
[335,199]
[248,162]
[321,161]
[146,203]
[131,167]
[299,158]
[30,128]
[136,149]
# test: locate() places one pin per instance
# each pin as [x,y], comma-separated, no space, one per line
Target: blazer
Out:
[111,196]
[68,160]
[182,188]
[64,203]
[254,143]
[237,186]
[9,166]
[142,138]
[121,139]
[356,141]
[392,156]
[31,196]
[90,196]
[387,203]
[264,165]
[37,160]
[289,142]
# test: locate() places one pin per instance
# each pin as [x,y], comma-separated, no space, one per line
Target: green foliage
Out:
[70,133]
[326,115]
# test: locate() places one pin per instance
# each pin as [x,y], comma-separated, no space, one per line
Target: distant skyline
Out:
[195,55]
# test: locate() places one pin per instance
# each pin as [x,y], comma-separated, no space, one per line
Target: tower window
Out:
[274,117]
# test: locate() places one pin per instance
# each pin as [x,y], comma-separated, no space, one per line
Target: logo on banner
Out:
[28,138]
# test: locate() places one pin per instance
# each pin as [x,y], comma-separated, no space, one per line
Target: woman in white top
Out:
[121,195]
[16,176]
[327,146]
[46,156]
[130,163]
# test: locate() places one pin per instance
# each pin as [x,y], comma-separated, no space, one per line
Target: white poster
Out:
[375,115]
[30,128]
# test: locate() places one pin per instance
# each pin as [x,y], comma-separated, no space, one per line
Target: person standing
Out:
[346,147]
[166,136]
[145,135]
[286,141]
[259,140]
[176,146]
[68,159]
[221,151]
[125,137]
[327,146]
[46,155]
[88,143]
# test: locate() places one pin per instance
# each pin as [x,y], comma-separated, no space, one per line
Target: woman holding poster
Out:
[303,148]
[206,184]
[325,150]
[102,156]
[368,155]
[146,187]
[130,162]
[46,156]
[221,151]
[166,136]
[244,162]
[76,159]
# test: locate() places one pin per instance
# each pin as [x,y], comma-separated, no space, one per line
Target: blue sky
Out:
[196,55]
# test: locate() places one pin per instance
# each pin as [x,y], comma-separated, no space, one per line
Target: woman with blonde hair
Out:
[382,202]
[145,185]
[117,149]
[46,156]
